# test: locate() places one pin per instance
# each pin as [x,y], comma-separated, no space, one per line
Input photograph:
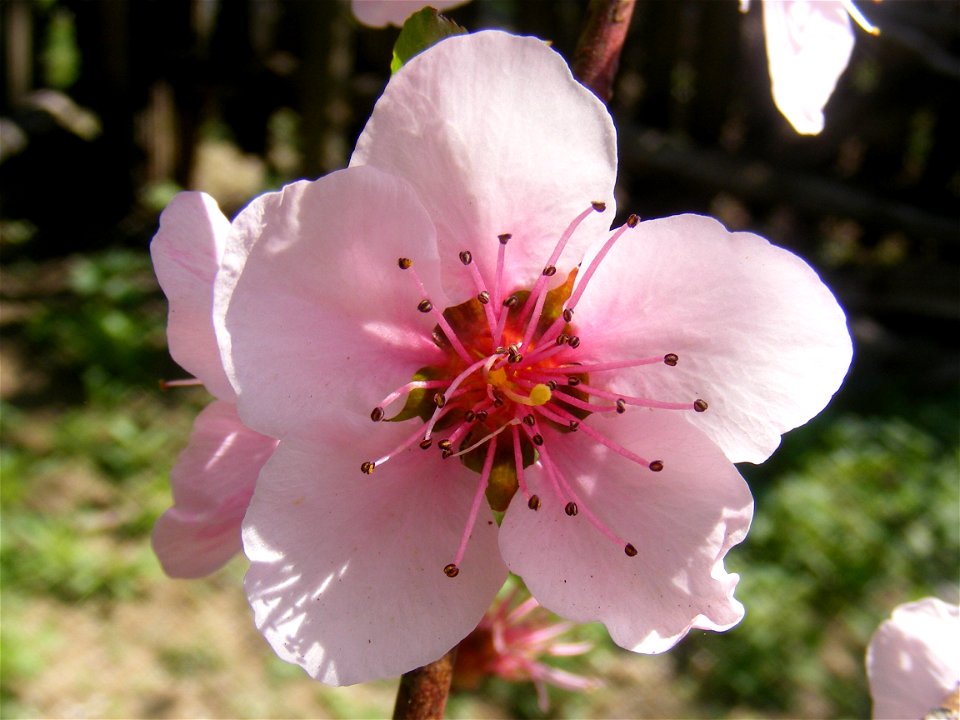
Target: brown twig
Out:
[597,56]
[422,694]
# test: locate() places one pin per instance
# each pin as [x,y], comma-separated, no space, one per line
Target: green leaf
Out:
[420,31]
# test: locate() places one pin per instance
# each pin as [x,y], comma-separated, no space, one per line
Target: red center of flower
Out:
[511,369]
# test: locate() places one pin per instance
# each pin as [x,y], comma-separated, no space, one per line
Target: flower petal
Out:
[186,254]
[213,481]
[497,137]
[346,576]
[380,13]
[321,323]
[682,521]
[913,660]
[808,47]
[759,336]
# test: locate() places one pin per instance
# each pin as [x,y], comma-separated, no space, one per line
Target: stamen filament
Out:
[597,367]
[484,439]
[186,382]
[639,401]
[477,499]
[539,286]
[481,287]
[582,509]
[414,385]
[562,417]
[450,391]
[418,435]
[518,461]
[542,352]
[632,222]
[497,280]
[441,320]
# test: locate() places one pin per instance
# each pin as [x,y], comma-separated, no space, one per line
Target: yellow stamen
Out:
[539,395]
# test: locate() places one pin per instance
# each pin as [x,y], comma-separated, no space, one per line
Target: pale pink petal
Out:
[913,661]
[682,522]
[759,336]
[212,481]
[186,254]
[497,137]
[380,13]
[809,43]
[321,321]
[346,576]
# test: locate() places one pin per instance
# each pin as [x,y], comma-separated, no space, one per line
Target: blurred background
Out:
[108,107]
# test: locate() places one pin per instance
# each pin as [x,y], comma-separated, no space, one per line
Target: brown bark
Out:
[597,55]
[422,694]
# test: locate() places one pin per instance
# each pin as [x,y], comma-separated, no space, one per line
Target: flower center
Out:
[510,370]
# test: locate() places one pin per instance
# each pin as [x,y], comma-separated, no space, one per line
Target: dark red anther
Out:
[534,502]
[633,221]
[621,406]
[377,414]
[599,206]
[571,509]
[440,400]
[537,439]
[505,238]
[550,271]
[671,359]
[426,443]
[568,315]
[573,380]
[466,257]
[404,263]
[529,419]
[656,466]
[451,570]
[700,405]
[573,341]
[483,297]
[574,425]
[425,306]
[630,550]
[367,467]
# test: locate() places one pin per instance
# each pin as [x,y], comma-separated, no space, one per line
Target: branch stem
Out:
[422,694]
[597,55]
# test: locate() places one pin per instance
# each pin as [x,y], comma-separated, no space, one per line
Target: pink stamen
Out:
[541,353]
[186,382]
[410,386]
[453,386]
[638,401]
[597,367]
[632,222]
[441,320]
[539,286]
[477,499]
[418,435]
[481,288]
[563,417]
[498,279]
[518,463]
[581,508]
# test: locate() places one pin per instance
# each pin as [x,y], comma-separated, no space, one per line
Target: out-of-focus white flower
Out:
[809,43]
[913,662]
[380,13]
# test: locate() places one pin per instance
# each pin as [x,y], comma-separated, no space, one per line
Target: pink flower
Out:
[380,13]
[913,661]
[809,43]
[510,642]
[432,288]
[213,478]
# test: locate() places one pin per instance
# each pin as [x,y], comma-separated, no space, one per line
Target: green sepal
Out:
[421,30]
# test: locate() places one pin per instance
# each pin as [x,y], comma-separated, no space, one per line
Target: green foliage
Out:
[866,521]
[420,31]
